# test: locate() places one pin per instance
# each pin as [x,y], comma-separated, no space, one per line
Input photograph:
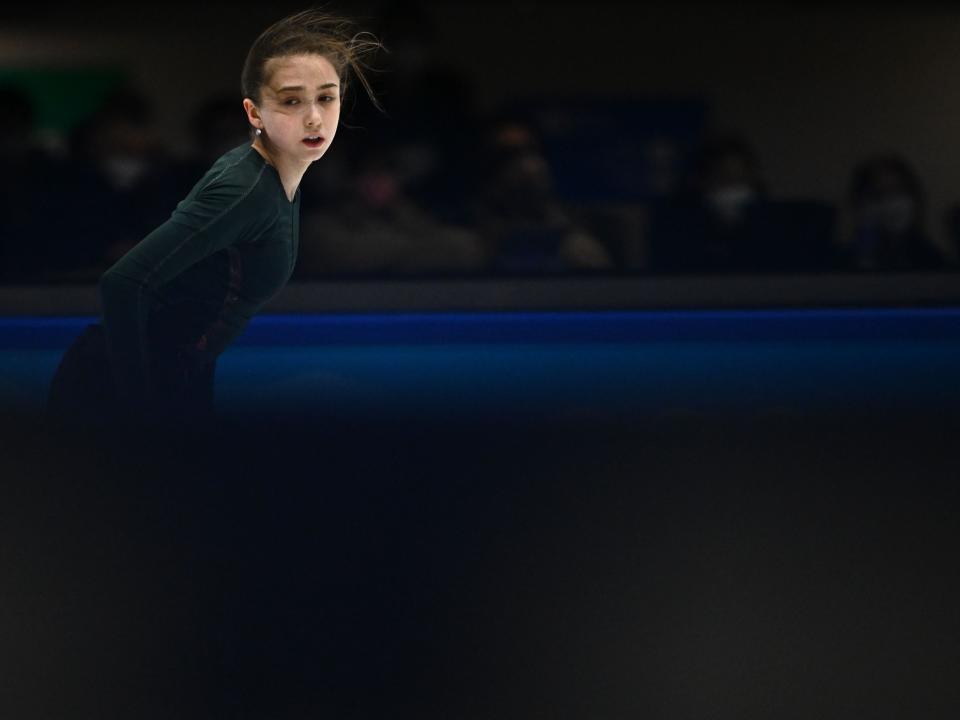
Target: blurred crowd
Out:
[436,188]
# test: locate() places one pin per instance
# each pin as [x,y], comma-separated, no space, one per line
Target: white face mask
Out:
[124,170]
[892,215]
[729,201]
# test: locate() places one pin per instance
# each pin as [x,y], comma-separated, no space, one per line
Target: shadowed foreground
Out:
[782,566]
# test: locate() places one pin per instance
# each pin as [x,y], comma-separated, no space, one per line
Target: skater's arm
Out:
[209,219]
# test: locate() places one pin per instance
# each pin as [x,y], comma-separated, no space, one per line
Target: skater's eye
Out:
[290,101]
[326,98]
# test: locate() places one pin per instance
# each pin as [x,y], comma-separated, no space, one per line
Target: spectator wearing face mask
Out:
[25,169]
[116,192]
[706,226]
[723,220]
[888,207]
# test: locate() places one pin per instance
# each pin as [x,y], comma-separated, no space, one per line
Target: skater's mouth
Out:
[313,141]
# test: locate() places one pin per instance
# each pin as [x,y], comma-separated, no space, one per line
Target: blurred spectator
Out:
[663,178]
[524,225]
[126,169]
[888,205]
[611,158]
[623,224]
[725,220]
[24,172]
[19,146]
[430,121]
[16,154]
[374,227]
[79,214]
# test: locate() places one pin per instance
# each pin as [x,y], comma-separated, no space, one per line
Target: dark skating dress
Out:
[177,299]
[170,306]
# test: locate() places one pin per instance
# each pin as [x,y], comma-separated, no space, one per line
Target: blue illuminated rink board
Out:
[596,365]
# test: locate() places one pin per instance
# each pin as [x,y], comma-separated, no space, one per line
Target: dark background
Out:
[618,100]
[784,564]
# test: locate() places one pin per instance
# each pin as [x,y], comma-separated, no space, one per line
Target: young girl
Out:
[177,299]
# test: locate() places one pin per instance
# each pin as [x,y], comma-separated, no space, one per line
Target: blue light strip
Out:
[842,324]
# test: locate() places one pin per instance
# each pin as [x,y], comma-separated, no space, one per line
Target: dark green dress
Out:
[178,298]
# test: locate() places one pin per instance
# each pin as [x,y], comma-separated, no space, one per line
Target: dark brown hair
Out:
[312,31]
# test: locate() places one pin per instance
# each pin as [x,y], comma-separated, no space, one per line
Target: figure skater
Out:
[174,302]
[170,306]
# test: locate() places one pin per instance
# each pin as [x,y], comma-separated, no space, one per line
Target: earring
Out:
[259,131]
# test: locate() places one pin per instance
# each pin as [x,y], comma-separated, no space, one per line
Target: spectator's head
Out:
[517,171]
[119,138]
[123,124]
[886,196]
[377,183]
[727,177]
[17,139]
[514,135]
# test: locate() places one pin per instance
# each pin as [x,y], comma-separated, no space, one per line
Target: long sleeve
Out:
[210,218]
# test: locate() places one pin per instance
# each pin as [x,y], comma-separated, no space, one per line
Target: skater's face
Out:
[300,100]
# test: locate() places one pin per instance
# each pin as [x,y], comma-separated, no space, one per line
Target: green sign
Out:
[62,97]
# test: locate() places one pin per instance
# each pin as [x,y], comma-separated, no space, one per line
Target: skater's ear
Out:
[253,114]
